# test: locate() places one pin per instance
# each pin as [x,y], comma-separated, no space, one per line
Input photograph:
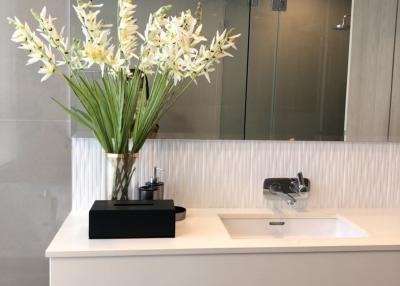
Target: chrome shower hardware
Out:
[279,5]
[345,25]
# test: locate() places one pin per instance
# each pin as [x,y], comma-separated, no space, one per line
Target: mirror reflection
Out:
[287,81]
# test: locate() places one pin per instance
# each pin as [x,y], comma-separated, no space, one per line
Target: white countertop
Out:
[204,233]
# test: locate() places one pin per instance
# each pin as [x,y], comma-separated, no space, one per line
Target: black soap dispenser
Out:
[156,183]
[154,189]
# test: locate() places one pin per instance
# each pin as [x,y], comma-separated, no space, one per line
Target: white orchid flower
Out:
[127,28]
[38,52]
[171,44]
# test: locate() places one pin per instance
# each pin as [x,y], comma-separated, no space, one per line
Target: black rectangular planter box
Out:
[132,219]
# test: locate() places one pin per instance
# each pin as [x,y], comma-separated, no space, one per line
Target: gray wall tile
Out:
[35,167]
[23,97]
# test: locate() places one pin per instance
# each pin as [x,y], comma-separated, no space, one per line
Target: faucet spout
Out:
[291,201]
[276,189]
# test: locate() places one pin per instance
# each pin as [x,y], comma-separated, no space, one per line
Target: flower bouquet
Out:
[142,74]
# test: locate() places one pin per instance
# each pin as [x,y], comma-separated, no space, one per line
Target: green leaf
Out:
[78,116]
[116,107]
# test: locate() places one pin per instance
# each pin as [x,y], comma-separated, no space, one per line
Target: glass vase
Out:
[121,176]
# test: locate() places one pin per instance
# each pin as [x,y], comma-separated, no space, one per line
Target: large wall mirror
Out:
[319,70]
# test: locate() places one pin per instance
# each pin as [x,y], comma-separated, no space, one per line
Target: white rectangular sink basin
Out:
[253,227]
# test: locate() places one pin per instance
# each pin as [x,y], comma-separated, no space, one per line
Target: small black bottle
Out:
[154,189]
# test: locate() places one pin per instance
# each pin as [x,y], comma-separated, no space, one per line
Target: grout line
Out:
[34,120]
[272,122]
[393,71]
[247,71]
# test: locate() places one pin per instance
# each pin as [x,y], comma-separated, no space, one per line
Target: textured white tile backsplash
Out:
[231,173]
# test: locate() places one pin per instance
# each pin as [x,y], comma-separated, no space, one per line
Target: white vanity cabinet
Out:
[275,269]
[203,253]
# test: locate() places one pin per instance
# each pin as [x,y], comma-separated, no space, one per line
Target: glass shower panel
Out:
[297,76]
[197,113]
[261,69]
[234,74]
[311,71]
[212,110]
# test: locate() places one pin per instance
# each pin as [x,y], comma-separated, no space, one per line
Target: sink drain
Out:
[276,223]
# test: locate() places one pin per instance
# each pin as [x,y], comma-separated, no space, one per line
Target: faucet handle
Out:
[302,185]
[300,178]
[299,184]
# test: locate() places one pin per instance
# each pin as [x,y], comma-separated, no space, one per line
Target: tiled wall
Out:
[230,173]
[35,148]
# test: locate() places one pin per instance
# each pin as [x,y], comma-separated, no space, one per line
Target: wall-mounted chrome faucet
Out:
[346,23]
[289,189]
